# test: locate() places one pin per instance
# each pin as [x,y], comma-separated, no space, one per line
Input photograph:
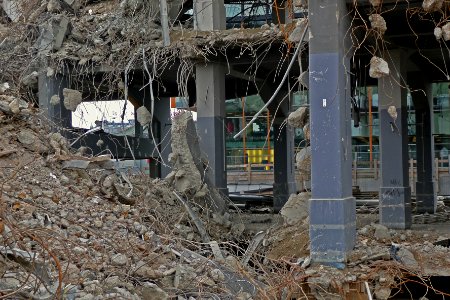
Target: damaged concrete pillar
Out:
[421,93]
[209,15]
[284,164]
[395,192]
[51,99]
[332,207]
[210,84]
[162,112]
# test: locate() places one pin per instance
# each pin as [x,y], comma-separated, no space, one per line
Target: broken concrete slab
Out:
[53,34]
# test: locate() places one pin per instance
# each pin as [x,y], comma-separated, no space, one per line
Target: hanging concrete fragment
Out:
[143,116]
[432,5]
[378,23]
[307,132]
[375,3]
[438,33]
[299,117]
[446,32]
[54,100]
[392,111]
[304,79]
[72,98]
[378,67]
[297,33]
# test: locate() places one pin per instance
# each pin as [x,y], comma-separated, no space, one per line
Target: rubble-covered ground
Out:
[75,228]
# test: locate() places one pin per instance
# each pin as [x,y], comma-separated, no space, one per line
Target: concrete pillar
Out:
[332,207]
[209,15]
[395,192]
[49,87]
[210,91]
[210,82]
[425,186]
[162,112]
[284,164]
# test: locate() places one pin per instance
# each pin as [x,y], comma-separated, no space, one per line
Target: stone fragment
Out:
[304,79]
[432,5]
[378,23]
[30,141]
[143,116]
[30,79]
[378,67]
[375,3]
[307,132]
[392,111]
[299,118]
[296,209]
[53,6]
[50,72]
[382,292]
[119,259]
[303,161]
[4,87]
[13,9]
[438,33]
[446,31]
[381,232]
[407,258]
[152,291]
[54,100]
[297,33]
[72,98]
[53,34]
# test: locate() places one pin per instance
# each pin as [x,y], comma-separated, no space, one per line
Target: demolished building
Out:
[66,210]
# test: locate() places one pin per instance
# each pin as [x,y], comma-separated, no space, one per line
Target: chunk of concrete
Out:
[299,118]
[297,33]
[143,116]
[378,67]
[303,160]
[296,209]
[446,31]
[432,5]
[381,232]
[53,34]
[13,9]
[72,98]
[378,23]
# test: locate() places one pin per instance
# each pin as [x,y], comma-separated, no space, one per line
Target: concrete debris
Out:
[378,23]
[381,232]
[53,34]
[303,161]
[4,87]
[55,100]
[299,118]
[72,98]
[31,141]
[143,116]
[446,31]
[432,5]
[30,80]
[297,33]
[301,3]
[375,3]
[50,72]
[307,132]
[296,209]
[54,6]
[304,79]
[17,105]
[378,67]
[13,9]
[392,111]
[438,33]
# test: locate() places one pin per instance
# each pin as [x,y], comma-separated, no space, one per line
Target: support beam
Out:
[162,112]
[421,93]
[332,207]
[57,114]
[209,15]
[210,81]
[395,192]
[284,164]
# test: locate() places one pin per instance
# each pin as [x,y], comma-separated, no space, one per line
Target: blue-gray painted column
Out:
[426,198]
[162,112]
[284,164]
[332,207]
[210,90]
[395,192]
[210,83]
[55,112]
